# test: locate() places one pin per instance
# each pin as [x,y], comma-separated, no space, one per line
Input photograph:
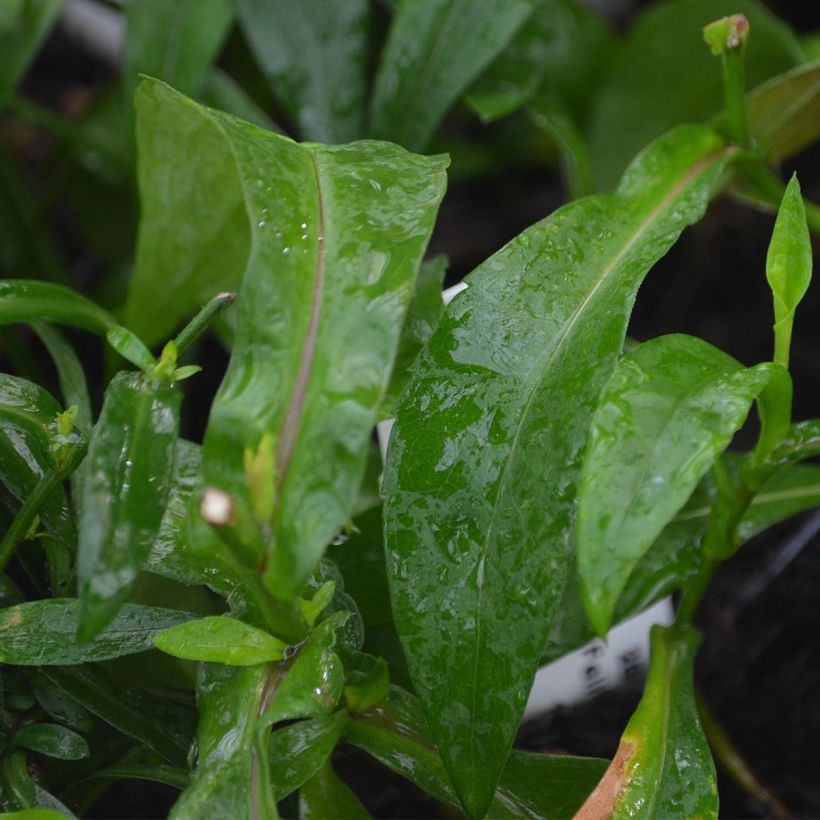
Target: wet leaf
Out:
[165,728]
[484,457]
[127,475]
[314,55]
[533,786]
[434,51]
[298,751]
[326,797]
[59,705]
[24,300]
[220,639]
[663,767]
[23,26]
[663,75]
[672,406]
[52,740]
[42,633]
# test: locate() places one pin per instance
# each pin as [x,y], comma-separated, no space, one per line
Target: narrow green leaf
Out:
[802,441]
[298,751]
[165,728]
[326,797]
[174,42]
[484,457]
[41,633]
[663,75]
[671,407]
[532,786]
[788,267]
[130,347]
[23,300]
[178,778]
[128,472]
[663,766]
[228,775]
[59,705]
[434,51]
[52,740]
[220,639]
[559,49]
[314,54]
[367,689]
[23,26]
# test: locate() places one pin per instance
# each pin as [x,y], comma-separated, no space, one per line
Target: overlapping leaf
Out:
[484,457]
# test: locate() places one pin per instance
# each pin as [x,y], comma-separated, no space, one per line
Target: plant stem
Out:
[694,593]
[734,89]
[203,320]
[734,763]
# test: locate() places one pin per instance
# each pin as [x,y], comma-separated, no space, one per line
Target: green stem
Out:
[735,765]
[694,593]
[734,89]
[202,321]
[16,533]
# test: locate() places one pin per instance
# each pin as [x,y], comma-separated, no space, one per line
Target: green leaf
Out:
[130,347]
[484,457]
[23,300]
[367,689]
[558,49]
[671,407]
[36,814]
[173,555]
[220,639]
[326,797]
[128,471]
[23,26]
[227,777]
[223,92]
[801,442]
[663,766]
[165,728]
[663,75]
[434,51]
[788,266]
[396,734]
[177,778]
[314,54]
[330,301]
[59,705]
[784,113]
[174,42]
[52,740]
[298,751]
[41,633]
[423,314]
[28,425]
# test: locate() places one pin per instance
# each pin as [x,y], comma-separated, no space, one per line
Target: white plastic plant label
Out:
[596,667]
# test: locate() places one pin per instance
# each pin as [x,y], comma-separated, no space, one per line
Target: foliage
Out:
[541,483]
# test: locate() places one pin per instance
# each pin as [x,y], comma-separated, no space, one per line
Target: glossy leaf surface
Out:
[533,786]
[220,640]
[23,300]
[227,778]
[663,766]
[298,751]
[52,740]
[42,633]
[672,406]
[326,797]
[314,54]
[434,51]
[163,728]
[483,460]
[23,25]
[127,474]
[788,266]
[664,75]
[175,42]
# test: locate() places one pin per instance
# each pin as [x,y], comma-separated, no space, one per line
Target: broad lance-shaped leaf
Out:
[127,475]
[314,54]
[663,766]
[484,457]
[669,410]
[434,51]
[788,266]
[337,237]
[52,740]
[42,633]
[532,785]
